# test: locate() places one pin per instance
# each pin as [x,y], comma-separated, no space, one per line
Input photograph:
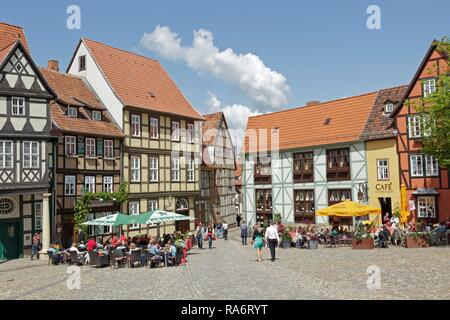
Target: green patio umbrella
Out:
[114,220]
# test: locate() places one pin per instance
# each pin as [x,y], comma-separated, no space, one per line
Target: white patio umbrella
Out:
[161,216]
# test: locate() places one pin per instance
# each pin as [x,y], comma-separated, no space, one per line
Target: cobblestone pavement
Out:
[230,271]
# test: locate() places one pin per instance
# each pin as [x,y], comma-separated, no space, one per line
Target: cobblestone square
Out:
[230,271]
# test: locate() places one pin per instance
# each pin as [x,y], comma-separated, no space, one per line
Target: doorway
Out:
[10,240]
[386,207]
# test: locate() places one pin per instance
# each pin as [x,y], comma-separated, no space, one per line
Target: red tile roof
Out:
[10,34]
[209,127]
[139,81]
[331,122]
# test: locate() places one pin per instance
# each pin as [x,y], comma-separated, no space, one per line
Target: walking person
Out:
[210,236]
[238,220]
[199,234]
[272,238]
[244,233]
[35,247]
[225,230]
[259,242]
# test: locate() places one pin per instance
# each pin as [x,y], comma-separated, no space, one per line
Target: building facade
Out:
[26,147]
[304,159]
[216,202]
[161,152]
[427,183]
[88,152]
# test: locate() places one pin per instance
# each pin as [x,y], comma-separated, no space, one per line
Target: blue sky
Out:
[323,49]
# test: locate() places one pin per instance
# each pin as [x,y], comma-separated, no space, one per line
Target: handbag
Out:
[206,237]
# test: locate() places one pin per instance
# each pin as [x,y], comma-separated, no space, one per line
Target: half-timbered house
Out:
[88,153]
[26,147]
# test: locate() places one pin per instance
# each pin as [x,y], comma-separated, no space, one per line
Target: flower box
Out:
[365,243]
[416,242]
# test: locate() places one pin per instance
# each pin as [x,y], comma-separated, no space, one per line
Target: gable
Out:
[18,74]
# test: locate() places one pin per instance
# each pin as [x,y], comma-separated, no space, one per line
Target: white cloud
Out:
[244,71]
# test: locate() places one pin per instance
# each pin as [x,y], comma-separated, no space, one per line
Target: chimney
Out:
[312,102]
[53,65]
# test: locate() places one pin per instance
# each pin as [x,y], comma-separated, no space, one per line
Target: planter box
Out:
[312,244]
[366,244]
[286,244]
[418,242]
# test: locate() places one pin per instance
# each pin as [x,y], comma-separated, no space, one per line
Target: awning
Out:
[425,191]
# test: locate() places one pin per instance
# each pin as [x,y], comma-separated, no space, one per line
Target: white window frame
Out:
[152,205]
[108,184]
[70,142]
[108,149]
[175,169]
[135,168]
[190,168]
[175,131]
[388,108]
[72,112]
[90,147]
[135,125]
[154,128]
[89,183]
[6,155]
[423,206]
[428,87]
[415,126]
[18,106]
[383,169]
[96,115]
[31,158]
[154,169]
[416,168]
[133,209]
[431,166]
[38,216]
[190,133]
[70,183]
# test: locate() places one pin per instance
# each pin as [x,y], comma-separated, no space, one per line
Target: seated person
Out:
[155,251]
[91,245]
[57,255]
[383,236]
[82,246]
[123,246]
[171,251]
[80,254]
[412,226]
[440,228]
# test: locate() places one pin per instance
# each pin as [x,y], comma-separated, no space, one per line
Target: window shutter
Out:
[99,147]
[80,145]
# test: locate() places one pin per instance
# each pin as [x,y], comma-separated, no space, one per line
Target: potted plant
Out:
[286,240]
[417,240]
[362,238]
[312,239]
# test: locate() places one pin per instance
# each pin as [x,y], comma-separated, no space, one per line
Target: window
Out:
[6,154]
[263,170]
[175,169]
[135,125]
[72,112]
[108,184]
[336,196]
[135,169]
[304,206]
[7,206]
[263,205]
[134,210]
[69,185]
[429,87]
[338,164]
[30,154]
[18,106]
[303,167]
[154,128]
[97,115]
[90,147]
[205,180]
[388,108]
[431,166]
[38,216]
[99,230]
[414,126]
[416,165]
[89,184]
[154,169]
[175,131]
[383,169]
[81,63]
[190,133]
[426,207]
[152,205]
[190,170]
[70,146]
[108,146]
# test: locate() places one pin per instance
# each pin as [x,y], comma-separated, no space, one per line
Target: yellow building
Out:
[381,154]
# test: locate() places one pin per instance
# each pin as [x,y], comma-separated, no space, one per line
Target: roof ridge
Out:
[11,25]
[61,73]
[123,50]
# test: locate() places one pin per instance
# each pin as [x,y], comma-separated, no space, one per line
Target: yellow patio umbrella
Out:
[404,212]
[348,209]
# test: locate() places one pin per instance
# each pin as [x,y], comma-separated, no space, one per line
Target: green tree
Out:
[437,106]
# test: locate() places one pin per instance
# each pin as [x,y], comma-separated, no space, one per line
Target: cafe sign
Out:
[384,187]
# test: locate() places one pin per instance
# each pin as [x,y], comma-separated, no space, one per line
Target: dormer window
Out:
[72,112]
[97,115]
[388,107]
[81,63]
